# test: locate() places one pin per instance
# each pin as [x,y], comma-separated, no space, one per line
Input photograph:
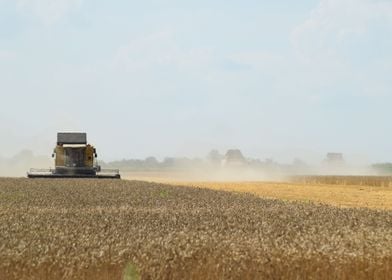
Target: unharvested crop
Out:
[92,229]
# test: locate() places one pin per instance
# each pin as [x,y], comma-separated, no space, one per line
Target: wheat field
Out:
[104,229]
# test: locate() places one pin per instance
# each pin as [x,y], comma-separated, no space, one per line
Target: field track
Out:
[96,229]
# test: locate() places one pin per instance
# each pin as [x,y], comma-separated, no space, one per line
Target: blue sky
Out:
[173,78]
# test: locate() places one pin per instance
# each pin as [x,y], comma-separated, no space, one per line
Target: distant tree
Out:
[151,162]
[169,162]
[269,161]
[214,156]
[299,163]
[383,168]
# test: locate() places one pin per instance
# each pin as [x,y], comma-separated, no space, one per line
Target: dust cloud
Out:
[245,173]
[215,167]
[18,165]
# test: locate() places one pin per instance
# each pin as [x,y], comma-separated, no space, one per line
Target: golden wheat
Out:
[354,196]
[92,229]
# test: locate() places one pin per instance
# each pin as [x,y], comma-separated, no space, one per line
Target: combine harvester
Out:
[74,158]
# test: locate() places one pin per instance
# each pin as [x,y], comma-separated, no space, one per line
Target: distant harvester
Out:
[334,158]
[233,157]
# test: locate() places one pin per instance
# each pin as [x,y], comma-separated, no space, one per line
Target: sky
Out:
[276,79]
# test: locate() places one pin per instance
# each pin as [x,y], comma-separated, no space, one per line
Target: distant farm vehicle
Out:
[233,158]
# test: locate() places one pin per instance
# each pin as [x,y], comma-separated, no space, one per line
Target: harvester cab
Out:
[74,158]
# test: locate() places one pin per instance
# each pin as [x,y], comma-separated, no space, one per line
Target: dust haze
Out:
[233,165]
[215,166]
[18,165]
[246,173]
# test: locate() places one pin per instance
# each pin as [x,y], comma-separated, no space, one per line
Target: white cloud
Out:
[257,59]
[48,11]
[7,55]
[160,49]
[334,21]
[327,45]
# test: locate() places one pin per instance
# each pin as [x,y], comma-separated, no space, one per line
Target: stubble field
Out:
[348,196]
[104,229]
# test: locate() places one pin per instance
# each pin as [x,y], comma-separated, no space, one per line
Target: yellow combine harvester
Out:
[74,158]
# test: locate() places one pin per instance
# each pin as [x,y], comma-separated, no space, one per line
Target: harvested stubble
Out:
[92,229]
[334,195]
[372,181]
